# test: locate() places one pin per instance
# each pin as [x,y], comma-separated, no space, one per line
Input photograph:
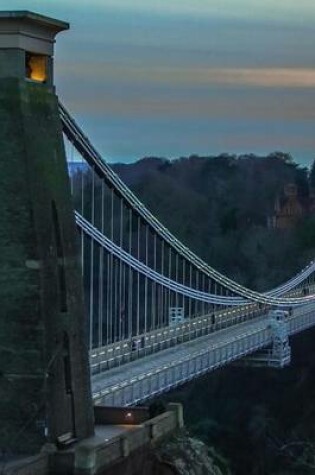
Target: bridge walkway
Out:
[186,360]
[142,379]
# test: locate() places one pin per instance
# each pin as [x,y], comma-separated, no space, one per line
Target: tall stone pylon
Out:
[44,376]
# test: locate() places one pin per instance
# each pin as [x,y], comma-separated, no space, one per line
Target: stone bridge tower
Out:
[44,375]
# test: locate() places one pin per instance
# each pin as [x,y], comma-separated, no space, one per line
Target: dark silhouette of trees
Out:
[312,176]
[221,204]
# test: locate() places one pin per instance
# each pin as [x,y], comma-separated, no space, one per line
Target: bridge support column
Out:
[278,354]
[44,376]
[281,351]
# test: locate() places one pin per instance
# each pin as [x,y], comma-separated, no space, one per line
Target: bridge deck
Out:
[224,346]
[156,373]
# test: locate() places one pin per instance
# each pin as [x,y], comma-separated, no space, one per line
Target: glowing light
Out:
[36,67]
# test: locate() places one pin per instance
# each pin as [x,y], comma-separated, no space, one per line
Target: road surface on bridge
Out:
[144,367]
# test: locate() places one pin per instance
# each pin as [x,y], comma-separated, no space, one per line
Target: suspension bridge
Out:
[158,315]
[154,313]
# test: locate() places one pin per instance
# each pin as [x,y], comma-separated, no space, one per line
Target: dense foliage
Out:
[220,207]
[262,420]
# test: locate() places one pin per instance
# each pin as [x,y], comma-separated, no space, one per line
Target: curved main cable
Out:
[105,172]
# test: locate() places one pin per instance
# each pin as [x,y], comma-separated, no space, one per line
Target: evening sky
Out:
[180,77]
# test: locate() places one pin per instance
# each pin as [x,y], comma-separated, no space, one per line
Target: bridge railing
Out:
[109,356]
[213,351]
[177,371]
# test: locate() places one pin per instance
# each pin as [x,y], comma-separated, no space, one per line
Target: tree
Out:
[312,176]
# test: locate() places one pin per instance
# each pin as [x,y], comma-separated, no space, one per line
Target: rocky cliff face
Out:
[179,455]
[184,455]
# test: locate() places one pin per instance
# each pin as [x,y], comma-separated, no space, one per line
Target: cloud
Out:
[261,77]
[127,139]
[97,71]
[165,105]
[161,63]
[283,10]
